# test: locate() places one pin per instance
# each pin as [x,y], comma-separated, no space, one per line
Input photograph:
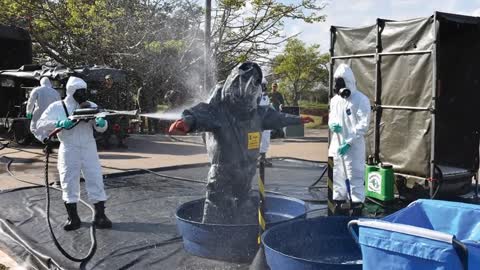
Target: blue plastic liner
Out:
[231,242]
[427,241]
[317,243]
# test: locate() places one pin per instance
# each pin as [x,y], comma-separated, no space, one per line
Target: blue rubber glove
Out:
[335,128]
[100,122]
[67,123]
[29,116]
[343,149]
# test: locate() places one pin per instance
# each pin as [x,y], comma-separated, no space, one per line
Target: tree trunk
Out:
[295,96]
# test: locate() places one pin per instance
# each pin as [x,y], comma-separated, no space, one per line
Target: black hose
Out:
[440,177]
[158,174]
[4,145]
[93,246]
[183,141]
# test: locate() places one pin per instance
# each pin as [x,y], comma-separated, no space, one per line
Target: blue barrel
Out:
[319,243]
[231,242]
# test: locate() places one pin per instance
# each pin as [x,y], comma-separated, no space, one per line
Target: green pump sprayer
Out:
[379,181]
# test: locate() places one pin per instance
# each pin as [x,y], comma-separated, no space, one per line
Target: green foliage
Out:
[155,41]
[301,69]
[160,43]
[313,105]
[248,29]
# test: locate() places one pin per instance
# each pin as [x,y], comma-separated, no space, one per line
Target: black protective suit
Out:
[234,124]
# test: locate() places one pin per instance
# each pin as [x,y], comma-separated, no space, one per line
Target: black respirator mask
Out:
[341,88]
[80,95]
[264,87]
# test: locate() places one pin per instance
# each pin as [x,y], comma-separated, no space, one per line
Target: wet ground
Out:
[142,207]
[144,152]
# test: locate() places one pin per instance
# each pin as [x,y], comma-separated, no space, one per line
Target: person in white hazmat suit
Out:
[77,153]
[39,99]
[349,117]
[265,142]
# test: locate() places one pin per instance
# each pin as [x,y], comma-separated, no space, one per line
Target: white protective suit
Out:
[39,99]
[78,150]
[353,115]
[265,143]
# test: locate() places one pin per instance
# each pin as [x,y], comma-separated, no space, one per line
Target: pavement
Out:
[144,152]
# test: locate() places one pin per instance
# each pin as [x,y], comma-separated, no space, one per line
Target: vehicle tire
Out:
[21,133]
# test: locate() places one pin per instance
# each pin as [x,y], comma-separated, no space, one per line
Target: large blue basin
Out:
[322,243]
[231,242]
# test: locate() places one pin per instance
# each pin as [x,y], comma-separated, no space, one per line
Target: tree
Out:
[301,68]
[160,42]
[250,29]
[155,40]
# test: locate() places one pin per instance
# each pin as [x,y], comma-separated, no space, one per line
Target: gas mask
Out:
[341,89]
[80,95]
[242,89]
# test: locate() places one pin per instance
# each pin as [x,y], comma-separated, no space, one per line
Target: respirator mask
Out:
[341,88]
[80,95]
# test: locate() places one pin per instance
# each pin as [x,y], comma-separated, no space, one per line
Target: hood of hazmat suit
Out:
[352,113]
[234,123]
[242,88]
[78,149]
[39,99]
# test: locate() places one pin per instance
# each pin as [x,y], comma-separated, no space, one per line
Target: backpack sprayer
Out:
[84,114]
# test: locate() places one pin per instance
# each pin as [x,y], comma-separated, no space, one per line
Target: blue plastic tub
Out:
[428,234]
[318,243]
[231,242]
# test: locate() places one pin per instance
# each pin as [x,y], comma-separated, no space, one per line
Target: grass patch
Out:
[312,105]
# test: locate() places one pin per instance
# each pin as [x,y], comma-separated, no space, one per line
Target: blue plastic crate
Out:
[428,234]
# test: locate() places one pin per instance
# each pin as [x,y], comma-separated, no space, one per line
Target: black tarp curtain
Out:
[416,122]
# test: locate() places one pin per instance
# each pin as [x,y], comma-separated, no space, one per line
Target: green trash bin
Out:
[293,131]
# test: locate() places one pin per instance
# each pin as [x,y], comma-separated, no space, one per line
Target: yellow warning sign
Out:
[253,140]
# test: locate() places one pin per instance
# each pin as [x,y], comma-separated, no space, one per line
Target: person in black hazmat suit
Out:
[234,123]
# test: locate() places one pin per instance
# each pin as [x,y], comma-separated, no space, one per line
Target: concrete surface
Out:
[145,151]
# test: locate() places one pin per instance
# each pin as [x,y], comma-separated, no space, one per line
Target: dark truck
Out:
[16,85]
[18,76]
[15,51]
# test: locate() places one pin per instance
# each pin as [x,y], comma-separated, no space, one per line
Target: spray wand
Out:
[348,204]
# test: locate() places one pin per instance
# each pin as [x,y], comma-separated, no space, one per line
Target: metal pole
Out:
[330,203]
[407,108]
[367,55]
[377,112]
[261,204]
[208,19]
[434,97]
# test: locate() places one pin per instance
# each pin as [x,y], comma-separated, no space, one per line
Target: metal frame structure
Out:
[378,106]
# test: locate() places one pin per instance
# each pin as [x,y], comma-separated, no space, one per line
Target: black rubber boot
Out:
[73,221]
[339,211]
[101,221]
[357,209]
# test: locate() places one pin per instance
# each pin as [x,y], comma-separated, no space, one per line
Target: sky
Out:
[357,13]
